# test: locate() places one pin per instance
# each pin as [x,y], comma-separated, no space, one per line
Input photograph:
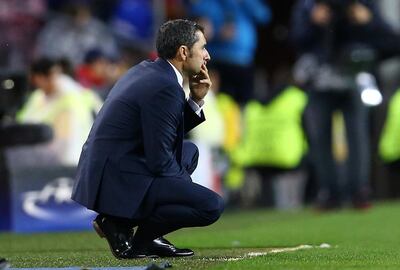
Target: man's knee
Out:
[219,206]
[190,156]
[214,209]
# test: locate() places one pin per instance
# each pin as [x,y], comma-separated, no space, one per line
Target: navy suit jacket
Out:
[137,136]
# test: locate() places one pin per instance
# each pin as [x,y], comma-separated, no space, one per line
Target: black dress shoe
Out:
[118,237]
[161,247]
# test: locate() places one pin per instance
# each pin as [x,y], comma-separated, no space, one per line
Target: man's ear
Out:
[183,52]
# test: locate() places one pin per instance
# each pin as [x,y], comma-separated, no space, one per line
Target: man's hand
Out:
[199,85]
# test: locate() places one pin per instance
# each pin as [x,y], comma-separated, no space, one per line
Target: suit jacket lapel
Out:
[180,129]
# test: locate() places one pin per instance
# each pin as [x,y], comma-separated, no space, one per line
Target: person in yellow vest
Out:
[389,146]
[63,104]
[389,143]
[273,134]
[273,144]
[232,117]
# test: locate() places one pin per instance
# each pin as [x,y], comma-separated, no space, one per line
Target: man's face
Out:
[198,56]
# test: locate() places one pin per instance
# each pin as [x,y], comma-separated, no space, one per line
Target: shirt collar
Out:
[178,74]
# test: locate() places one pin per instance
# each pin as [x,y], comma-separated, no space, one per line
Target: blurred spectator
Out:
[336,40]
[273,145]
[389,69]
[96,72]
[74,33]
[66,67]
[99,72]
[231,29]
[133,23]
[59,102]
[20,21]
[389,147]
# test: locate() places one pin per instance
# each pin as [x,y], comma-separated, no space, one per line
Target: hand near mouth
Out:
[199,85]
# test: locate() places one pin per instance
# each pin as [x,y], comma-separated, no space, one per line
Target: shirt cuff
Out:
[196,107]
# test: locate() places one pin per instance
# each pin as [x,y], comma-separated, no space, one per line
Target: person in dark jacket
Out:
[336,41]
[135,167]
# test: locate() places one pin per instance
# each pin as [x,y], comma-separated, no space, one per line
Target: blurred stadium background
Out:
[60,58]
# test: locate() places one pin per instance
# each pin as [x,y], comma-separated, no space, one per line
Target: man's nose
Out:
[207,56]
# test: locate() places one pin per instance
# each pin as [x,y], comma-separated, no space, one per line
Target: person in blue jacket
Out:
[135,167]
[233,40]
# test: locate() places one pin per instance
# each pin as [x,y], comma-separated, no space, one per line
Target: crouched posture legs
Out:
[170,204]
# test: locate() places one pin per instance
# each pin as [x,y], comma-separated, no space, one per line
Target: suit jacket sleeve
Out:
[191,118]
[160,117]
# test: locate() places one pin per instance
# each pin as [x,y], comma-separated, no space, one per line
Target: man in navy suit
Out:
[135,168]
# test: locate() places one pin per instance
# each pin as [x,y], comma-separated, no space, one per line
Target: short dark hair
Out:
[174,34]
[42,66]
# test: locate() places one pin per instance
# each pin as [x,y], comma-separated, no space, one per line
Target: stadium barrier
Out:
[39,200]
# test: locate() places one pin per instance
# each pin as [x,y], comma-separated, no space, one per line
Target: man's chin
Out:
[194,73]
[198,71]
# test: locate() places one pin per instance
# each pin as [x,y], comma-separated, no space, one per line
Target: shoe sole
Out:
[177,255]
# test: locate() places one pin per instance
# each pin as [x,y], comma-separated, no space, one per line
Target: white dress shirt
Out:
[195,107]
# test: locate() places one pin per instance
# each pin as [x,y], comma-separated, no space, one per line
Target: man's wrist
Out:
[197,108]
[199,102]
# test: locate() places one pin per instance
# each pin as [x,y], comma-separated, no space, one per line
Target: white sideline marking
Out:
[278,250]
[271,251]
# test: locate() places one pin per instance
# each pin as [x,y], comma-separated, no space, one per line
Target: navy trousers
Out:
[189,205]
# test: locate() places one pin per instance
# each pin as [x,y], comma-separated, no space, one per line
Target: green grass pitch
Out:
[358,240]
